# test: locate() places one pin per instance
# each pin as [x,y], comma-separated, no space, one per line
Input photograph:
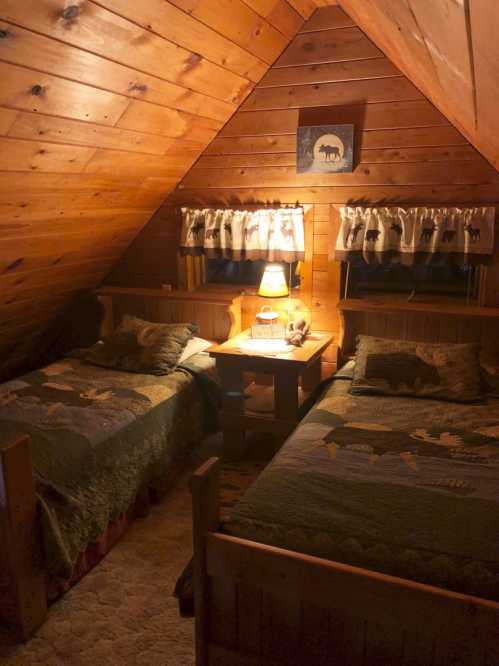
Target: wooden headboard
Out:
[218,315]
[422,322]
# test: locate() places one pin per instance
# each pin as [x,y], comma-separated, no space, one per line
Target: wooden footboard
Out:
[259,605]
[23,603]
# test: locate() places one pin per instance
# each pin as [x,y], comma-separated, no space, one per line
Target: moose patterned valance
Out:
[416,235]
[272,234]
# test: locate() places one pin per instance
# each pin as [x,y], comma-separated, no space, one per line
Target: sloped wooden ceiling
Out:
[104,105]
[449,49]
[405,152]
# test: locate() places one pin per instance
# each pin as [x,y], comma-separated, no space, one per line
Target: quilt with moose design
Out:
[98,438]
[404,486]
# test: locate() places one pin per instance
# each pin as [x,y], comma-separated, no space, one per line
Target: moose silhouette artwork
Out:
[399,368]
[372,235]
[412,448]
[249,231]
[397,228]
[473,232]
[228,228]
[354,232]
[286,231]
[428,232]
[196,228]
[212,233]
[331,153]
[448,236]
[324,149]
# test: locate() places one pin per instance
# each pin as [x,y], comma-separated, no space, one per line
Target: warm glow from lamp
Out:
[273,284]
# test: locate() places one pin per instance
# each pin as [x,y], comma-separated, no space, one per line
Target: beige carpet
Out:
[123,612]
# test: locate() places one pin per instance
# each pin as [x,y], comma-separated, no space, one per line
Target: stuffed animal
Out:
[296,332]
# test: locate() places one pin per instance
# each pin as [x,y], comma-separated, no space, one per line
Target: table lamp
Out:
[273,285]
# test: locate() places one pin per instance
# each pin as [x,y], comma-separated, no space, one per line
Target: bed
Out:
[363,481]
[83,447]
[371,538]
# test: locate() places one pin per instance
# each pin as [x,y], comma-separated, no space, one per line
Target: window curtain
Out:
[416,235]
[272,234]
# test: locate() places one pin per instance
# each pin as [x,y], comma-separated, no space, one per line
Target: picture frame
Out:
[325,149]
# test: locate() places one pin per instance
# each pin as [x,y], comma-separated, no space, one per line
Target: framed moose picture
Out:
[324,149]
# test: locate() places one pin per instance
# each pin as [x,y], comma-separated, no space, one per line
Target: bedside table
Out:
[286,368]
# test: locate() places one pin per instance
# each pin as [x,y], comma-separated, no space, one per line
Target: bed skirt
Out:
[97,550]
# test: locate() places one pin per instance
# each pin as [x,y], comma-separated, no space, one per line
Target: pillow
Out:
[194,346]
[490,377]
[140,346]
[346,371]
[397,367]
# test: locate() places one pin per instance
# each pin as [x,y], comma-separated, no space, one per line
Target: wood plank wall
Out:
[448,49]
[104,105]
[406,153]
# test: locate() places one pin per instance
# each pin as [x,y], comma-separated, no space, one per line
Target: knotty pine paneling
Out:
[57,130]
[449,50]
[151,260]
[367,156]
[240,23]
[26,48]
[406,153]
[329,73]
[320,94]
[279,14]
[377,116]
[180,26]
[328,19]
[104,106]
[419,137]
[328,46]
[91,27]
[468,172]
[304,7]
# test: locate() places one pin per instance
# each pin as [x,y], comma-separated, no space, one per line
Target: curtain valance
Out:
[416,235]
[272,234]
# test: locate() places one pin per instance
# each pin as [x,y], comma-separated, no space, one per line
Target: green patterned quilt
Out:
[408,487]
[100,436]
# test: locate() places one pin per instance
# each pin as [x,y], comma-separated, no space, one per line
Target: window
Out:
[247,272]
[440,282]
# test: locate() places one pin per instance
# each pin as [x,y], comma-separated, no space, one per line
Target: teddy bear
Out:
[296,332]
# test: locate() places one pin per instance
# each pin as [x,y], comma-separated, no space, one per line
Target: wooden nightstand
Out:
[287,368]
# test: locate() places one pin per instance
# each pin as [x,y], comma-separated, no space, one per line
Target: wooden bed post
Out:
[342,357]
[25,605]
[206,518]
[107,325]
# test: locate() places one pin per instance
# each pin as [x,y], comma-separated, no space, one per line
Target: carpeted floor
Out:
[123,612]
